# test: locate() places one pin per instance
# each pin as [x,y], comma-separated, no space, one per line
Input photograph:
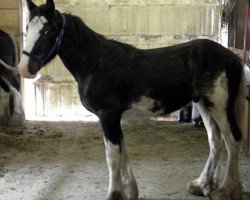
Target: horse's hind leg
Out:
[208,179]
[223,113]
[231,186]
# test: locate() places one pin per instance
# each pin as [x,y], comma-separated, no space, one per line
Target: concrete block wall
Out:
[148,23]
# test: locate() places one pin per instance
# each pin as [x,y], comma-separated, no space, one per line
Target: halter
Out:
[55,47]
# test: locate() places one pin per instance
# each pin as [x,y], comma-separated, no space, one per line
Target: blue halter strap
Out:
[55,47]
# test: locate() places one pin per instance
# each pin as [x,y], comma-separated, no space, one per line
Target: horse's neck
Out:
[78,56]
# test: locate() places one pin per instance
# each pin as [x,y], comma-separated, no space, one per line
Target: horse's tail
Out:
[241,108]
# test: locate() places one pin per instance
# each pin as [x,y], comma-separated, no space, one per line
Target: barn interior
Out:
[58,153]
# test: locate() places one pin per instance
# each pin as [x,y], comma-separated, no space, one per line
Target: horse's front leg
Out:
[128,179]
[116,157]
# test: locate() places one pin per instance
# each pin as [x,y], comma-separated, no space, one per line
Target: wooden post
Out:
[245,48]
[248,121]
[245,44]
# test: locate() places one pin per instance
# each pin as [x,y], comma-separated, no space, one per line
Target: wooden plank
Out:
[12,30]
[130,2]
[10,23]
[246,135]
[9,17]
[9,4]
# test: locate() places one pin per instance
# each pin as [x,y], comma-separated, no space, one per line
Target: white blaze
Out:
[35,26]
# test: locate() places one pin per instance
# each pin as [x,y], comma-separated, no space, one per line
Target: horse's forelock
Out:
[40,11]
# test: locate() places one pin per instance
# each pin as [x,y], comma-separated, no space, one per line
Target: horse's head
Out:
[44,33]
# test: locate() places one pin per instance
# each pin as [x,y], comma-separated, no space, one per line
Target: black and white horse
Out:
[12,109]
[112,76]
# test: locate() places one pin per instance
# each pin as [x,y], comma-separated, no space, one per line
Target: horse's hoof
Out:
[194,188]
[198,189]
[131,191]
[219,195]
[225,195]
[115,196]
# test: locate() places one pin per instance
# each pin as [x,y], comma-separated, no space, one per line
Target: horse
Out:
[10,81]
[113,76]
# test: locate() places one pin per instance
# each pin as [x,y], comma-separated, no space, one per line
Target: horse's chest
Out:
[86,101]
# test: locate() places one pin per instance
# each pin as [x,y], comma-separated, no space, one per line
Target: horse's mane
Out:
[81,31]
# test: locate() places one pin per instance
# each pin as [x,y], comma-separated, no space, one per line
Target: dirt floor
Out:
[65,160]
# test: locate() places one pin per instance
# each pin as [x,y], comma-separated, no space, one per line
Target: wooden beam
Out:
[10,22]
[9,17]
[9,4]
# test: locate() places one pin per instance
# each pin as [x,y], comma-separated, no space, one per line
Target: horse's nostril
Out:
[24,72]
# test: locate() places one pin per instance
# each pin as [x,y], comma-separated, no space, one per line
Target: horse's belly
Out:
[141,110]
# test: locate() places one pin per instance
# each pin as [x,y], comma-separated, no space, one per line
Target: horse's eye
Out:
[44,32]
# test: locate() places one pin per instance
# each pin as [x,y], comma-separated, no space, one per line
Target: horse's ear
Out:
[31,5]
[50,6]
